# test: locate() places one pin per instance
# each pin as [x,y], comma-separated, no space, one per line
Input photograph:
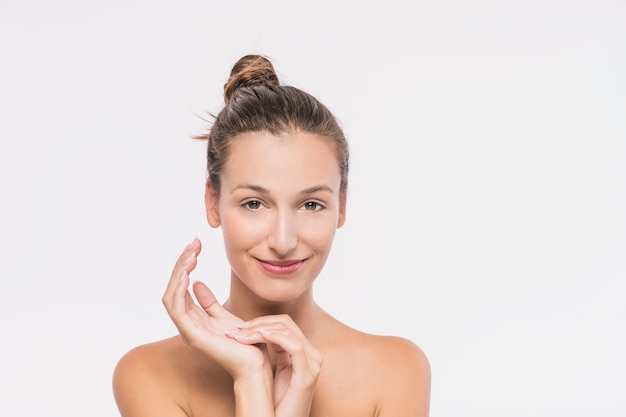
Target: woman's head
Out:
[256,102]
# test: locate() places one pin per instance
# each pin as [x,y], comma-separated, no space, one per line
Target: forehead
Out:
[288,160]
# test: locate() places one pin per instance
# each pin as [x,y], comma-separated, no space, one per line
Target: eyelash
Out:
[247,205]
[318,206]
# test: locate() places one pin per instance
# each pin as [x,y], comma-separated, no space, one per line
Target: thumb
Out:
[208,301]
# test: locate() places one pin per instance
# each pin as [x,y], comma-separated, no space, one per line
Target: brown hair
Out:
[255,101]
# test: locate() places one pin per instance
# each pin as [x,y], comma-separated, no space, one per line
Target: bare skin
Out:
[270,350]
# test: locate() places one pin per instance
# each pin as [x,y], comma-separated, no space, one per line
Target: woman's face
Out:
[279,207]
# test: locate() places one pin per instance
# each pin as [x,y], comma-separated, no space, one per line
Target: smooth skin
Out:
[270,350]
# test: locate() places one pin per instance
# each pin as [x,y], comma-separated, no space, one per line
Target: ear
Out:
[342,209]
[211,200]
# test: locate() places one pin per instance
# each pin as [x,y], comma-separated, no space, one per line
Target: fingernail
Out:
[192,241]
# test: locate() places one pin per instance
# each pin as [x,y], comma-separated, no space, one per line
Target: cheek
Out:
[319,234]
[240,232]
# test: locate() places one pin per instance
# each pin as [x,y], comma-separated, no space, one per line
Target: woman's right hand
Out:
[204,326]
[298,362]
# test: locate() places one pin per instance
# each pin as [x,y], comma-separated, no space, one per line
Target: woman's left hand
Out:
[298,363]
[203,325]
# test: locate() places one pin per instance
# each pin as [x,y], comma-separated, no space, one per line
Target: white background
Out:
[487,205]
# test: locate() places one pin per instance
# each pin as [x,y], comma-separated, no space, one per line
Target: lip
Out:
[281,267]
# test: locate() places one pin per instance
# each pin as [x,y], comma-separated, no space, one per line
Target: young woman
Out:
[277,184]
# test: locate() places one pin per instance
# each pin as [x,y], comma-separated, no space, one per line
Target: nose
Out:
[282,237]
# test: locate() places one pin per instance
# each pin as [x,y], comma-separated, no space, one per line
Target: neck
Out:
[246,305]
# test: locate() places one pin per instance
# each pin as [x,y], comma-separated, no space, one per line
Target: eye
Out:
[252,205]
[312,206]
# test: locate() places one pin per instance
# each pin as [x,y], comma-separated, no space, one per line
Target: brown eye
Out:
[252,204]
[312,206]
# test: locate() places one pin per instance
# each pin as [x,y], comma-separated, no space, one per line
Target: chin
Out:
[277,290]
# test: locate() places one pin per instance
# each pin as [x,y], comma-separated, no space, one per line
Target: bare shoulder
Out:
[405,376]
[395,358]
[148,372]
[403,353]
[393,373]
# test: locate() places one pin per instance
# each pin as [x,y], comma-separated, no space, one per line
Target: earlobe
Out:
[211,200]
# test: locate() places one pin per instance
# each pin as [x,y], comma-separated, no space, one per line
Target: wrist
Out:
[253,394]
[254,378]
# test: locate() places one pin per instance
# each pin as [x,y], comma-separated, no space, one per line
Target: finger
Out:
[254,336]
[186,262]
[285,339]
[286,334]
[208,301]
[284,319]
[179,298]
[273,322]
[184,312]
[303,358]
[176,277]
[196,247]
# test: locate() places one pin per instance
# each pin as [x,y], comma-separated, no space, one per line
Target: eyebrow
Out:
[263,190]
[252,187]
[317,188]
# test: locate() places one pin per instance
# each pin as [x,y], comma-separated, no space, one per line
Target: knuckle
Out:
[284,318]
[299,349]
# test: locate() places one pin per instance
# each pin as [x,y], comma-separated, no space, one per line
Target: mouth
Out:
[281,267]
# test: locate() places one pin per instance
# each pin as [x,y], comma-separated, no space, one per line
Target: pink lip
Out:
[281,267]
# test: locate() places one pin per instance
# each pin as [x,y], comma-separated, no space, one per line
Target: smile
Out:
[281,267]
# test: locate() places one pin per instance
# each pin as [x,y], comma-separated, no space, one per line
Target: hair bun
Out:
[249,70]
